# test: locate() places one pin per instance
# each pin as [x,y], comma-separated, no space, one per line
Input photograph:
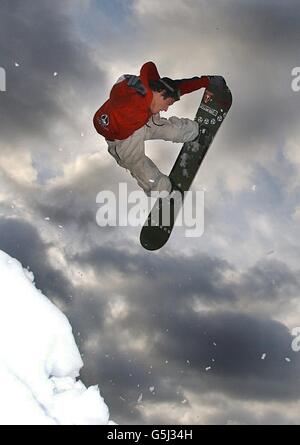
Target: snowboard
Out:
[211,113]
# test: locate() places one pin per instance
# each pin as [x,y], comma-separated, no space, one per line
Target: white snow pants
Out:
[130,153]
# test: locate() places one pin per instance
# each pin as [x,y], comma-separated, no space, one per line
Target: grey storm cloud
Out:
[270,30]
[21,240]
[204,353]
[160,275]
[269,280]
[74,201]
[200,276]
[40,37]
[236,342]
[160,306]
[257,22]
[265,108]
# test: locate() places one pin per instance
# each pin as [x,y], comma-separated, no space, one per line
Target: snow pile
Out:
[39,359]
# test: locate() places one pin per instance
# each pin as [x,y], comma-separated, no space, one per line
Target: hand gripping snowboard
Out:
[210,115]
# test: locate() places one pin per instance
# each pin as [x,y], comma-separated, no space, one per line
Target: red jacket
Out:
[126,110]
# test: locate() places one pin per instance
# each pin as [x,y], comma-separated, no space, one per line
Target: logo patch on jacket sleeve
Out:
[104,120]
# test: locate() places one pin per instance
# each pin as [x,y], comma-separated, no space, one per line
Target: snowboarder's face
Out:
[159,103]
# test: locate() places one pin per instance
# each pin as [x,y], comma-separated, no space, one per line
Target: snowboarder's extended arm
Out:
[195,83]
[149,72]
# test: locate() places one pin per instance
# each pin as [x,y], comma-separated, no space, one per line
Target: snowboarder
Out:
[131,116]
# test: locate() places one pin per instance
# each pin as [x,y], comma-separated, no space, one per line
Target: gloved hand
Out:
[136,83]
[217,81]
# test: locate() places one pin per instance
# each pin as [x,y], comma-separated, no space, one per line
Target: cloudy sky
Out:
[178,335]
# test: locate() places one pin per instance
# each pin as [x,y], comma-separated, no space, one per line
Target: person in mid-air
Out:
[131,116]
